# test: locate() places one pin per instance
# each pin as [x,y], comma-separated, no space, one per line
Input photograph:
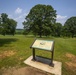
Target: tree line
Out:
[41,21]
[7,25]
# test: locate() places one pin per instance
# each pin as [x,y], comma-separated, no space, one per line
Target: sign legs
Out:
[52,54]
[34,54]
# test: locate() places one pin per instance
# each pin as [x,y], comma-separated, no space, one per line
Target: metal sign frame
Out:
[40,45]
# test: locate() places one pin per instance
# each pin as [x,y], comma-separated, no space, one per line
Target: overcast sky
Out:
[18,9]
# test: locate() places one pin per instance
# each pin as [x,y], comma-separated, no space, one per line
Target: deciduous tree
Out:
[70,26]
[7,26]
[58,29]
[40,19]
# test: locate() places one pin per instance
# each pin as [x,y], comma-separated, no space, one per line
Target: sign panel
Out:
[43,44]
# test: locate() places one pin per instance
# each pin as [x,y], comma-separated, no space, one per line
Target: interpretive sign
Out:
[43,44]
[47,45]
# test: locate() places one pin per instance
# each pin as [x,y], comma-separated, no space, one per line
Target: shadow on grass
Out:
[4,41]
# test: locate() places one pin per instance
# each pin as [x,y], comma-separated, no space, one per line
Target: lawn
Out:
[15,49]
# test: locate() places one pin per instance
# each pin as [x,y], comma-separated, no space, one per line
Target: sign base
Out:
[45,67]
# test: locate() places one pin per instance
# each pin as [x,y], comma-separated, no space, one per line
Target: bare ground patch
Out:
[6,54]
[24,71]
[71,57]
[71,65]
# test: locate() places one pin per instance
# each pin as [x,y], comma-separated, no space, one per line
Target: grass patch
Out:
[15,49]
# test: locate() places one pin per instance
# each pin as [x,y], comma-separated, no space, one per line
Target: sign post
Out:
[47,45]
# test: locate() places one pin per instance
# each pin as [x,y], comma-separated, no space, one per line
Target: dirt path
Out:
[24,71]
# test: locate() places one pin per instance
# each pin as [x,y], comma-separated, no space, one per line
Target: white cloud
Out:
[10,16]
[18,18]
[21,17]
[61,19]
[18,11]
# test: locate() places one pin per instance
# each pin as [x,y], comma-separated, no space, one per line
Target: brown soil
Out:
[6,54]
[71,65]
[24,71]
[71,57]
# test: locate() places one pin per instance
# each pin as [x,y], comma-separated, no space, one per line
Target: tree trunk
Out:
[40,35]
[72,35]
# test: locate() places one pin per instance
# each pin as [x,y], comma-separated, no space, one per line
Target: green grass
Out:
[20,44]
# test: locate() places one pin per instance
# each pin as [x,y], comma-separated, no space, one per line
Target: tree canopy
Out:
[57,29]
[7,26]
[40,20]
[70,26]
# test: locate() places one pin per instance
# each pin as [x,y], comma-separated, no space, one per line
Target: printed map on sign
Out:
[43,44]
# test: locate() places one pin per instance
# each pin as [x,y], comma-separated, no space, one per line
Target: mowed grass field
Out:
[15,49]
